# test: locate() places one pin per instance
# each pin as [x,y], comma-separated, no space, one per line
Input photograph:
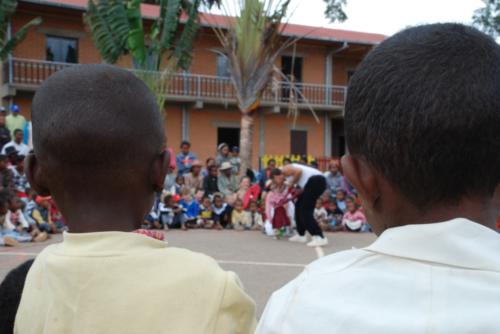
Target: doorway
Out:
[291,67]
[338,138]
[298,142]
[230,136]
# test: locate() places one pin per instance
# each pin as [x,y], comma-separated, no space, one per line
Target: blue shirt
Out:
[192,209]
[184,162]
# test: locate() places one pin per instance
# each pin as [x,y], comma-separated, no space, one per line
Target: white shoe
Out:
[298,238]
[318,241]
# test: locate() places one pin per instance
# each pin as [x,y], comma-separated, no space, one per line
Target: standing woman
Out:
[312,185]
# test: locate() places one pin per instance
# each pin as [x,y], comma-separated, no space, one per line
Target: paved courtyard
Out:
[263,264]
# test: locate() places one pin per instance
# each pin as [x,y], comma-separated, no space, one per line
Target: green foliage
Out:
[488,17]
[117,29]
[335,10]
[7,9]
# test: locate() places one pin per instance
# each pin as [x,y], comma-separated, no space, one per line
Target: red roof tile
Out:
[308,32]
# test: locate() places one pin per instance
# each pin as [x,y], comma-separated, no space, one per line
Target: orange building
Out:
[201,105]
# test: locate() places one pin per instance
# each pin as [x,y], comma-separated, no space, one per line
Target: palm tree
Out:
[252,42]
[8,43]
[117,29]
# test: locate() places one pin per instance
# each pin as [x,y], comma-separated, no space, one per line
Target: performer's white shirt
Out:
[430,278]
[307,173]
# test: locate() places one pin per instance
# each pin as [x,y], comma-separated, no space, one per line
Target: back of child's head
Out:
[11,290]
[423,109]
[96,128]
[14,203]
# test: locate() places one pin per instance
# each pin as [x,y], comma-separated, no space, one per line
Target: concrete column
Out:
[327,140]
[262,134]
[185,122]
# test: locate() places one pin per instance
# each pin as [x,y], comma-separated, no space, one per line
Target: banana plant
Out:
[117,29]
[7,9]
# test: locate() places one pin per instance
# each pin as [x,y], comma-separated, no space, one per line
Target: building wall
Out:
[202,122]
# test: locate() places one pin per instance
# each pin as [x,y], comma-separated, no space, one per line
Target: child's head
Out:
[179,180]
[253,206]
[3,161]
[223,149]
[245,183]
[422,122]
[99,143]
[235,151]
[206,202]
[15,203]
[350,204]
[340,196]
[20,162]
[319,203]
[43,202]
[213,171]
[187,196]
[169,200]
[218,201]
[210,162]
[4,202]
[277,176]
[238,205]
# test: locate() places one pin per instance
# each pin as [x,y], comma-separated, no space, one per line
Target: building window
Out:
[62,49]
[223,69]
[298,142]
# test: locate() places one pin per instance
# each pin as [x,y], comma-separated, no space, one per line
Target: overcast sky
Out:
[385,16]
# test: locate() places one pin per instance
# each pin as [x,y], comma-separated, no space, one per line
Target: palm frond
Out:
[17,37]
[109,26]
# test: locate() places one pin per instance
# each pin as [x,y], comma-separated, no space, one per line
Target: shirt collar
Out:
[458,242]
[106,243]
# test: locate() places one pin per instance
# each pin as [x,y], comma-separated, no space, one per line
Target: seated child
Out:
[100,152]
[221,211]
[179,184]
[56,216]
[240,219]
[320,215]
[152,220]
[334,217]
[256,221]
[15,221]
[171,214]
[191,208]
[206,216]
[341,203]
[353,219]
[40,214]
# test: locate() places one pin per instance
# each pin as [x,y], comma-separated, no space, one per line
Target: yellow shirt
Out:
[118,282]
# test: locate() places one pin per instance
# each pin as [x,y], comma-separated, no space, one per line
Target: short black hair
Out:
[16,131]
[271,161]
[423,108]
[85,119]
[185,142]
[275,172]
[11,291]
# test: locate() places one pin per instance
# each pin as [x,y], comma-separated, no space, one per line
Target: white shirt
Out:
[307,173]
[433,278]
[22,149]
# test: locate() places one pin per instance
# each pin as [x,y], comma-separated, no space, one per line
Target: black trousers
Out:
[304,207]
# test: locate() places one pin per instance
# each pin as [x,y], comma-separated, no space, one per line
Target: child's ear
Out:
[159,170]
[35,175]
[363,178]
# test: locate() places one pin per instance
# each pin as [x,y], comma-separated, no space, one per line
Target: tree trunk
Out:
[246,142]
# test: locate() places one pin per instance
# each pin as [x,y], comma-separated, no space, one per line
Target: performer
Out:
[312,185]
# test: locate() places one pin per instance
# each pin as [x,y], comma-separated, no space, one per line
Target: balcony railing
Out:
[183,86]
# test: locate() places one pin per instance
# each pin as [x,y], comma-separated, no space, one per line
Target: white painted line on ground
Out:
[251,263]
[272,264]
[319,252]
[19,253]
